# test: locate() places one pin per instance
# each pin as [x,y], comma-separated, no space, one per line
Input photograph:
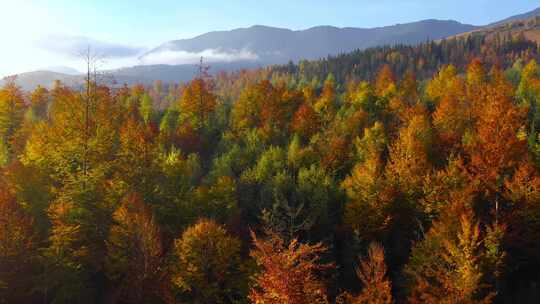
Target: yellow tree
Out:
[476,75]
[365,210]
[75,148]
[409,159]
[247,109]
[385,84]
[446,266]
[135,164]
[325,105]
[444,83]
[207,265]
[197,104]
[135,255]
[12,108]
[39,100]
[408,88]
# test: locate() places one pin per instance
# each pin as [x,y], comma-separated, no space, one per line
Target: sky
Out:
[46,34]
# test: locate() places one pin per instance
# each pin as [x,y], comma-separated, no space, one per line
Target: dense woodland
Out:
[406,174]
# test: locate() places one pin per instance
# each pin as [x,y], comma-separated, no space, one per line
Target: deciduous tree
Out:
[207,264]
[289,272]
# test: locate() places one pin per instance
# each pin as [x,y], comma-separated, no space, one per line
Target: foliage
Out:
[147,194]
[207,264]
[289,272]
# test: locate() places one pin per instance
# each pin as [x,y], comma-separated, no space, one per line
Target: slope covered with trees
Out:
[395,175]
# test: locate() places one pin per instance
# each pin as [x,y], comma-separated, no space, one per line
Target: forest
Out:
[399,174]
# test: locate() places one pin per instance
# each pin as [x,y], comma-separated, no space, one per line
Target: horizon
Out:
[56,31]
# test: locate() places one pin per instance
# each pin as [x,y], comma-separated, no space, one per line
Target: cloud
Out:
[184,57]
[74,46]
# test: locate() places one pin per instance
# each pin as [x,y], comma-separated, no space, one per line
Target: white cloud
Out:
[184,57]
[74,46]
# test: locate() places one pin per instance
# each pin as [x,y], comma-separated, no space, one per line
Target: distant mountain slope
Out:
[529,28]
[144,74]
[526,15]
[176,73]
[278,45]
[30,80]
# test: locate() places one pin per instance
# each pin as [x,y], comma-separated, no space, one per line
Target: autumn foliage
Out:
[405,174]
[290,272]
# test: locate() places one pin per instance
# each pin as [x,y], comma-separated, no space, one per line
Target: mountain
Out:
[63,70]
[526,15]
[252,47]
[277,45]
[144,74]
[30,80]
[528,28]
[259,45]
[176,73]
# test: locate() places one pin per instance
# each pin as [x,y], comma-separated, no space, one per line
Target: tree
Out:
[135,165]
[528,94]
[39,101]
[305,122]
[377,288]
[325,105]
[135,254]
[496,147]
[289,273]
[409,159]
[17,251]
[522,191]
[451,121]
[408,88]
[440,187]
[177,176]
[385,85]
[217,201]
[476,75]
[207,264]
[147,109]
[12,108]
[75,141]
[365,211]
[197,103]
[76,250]
[446,82]
[301,206]
[267,108]
[246,111]
[445,267]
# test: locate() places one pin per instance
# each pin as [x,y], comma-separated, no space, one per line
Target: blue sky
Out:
[40,33]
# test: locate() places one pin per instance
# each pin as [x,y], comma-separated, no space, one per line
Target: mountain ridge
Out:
[279,45]
[399,33]
[522,16]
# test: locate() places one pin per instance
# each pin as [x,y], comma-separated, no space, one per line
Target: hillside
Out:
[30,80]
[528,28]
[523,16]
[278,45]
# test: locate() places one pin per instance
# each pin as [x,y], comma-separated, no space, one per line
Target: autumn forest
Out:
[402,174]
